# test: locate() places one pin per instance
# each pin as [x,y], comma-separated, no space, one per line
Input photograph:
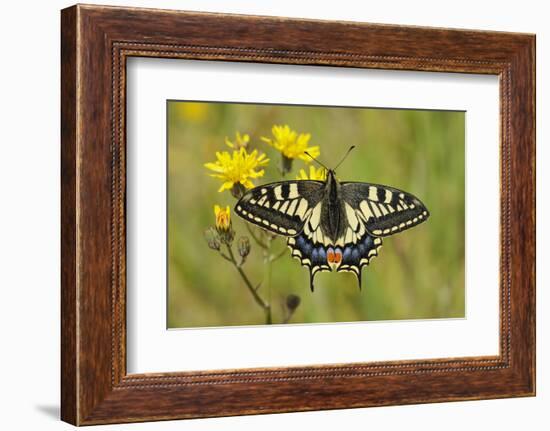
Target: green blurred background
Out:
[419,273]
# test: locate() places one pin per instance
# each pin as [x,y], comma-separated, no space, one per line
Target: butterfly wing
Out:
[373,211]
[384,210]
[281,207]
[316,256]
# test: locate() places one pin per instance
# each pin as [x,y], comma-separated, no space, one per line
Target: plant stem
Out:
[222,254]
[288,316]
[259,300]
[267,277]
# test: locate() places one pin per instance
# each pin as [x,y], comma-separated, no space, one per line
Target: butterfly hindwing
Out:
[280,207]
[318,257]
[385,210]
[355,256]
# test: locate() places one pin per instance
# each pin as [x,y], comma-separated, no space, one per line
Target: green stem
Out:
[288,316]
[267,277]
[259,300]
[222,254]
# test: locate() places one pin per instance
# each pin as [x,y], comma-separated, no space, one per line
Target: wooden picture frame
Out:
[95,43]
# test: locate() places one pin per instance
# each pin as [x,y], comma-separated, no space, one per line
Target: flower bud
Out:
[244,247]
[212,238]
[223,217]
[223,224]
[292,302]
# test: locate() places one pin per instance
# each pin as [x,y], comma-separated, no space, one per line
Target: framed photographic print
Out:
[258,208]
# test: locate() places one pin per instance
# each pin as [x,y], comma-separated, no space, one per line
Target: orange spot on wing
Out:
[337,256]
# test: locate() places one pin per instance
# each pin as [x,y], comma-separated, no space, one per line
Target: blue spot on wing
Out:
[310,255]
[354,253]
[315,256]
[319,256]
[346,254]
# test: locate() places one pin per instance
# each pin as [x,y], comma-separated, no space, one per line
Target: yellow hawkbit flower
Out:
[241,141]
[314,174]
[192,111]
[237,168]
[291,144]
[223,217]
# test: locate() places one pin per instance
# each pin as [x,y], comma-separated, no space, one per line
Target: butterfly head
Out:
[331,176]
[331,173]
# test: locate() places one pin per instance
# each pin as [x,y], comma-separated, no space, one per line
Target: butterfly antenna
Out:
[345,156]
[315,160]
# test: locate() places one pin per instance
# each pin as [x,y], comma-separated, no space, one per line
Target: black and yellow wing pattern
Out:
[331,226]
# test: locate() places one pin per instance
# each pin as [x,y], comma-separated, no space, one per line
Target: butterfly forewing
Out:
[385,210]
[281,207]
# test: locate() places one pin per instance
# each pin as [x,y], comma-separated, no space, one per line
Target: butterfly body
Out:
[333,217]
[329,225]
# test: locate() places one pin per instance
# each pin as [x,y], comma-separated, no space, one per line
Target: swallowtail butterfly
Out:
[331,225]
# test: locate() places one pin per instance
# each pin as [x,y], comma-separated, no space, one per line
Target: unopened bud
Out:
[223,224]
[292,302]
[244,246]
[212,238]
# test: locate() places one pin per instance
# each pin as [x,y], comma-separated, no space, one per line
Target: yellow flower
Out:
[314,174]
[223,217]
[291,144]
[241,141]
[192,111]
[237,168]
[223,226]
